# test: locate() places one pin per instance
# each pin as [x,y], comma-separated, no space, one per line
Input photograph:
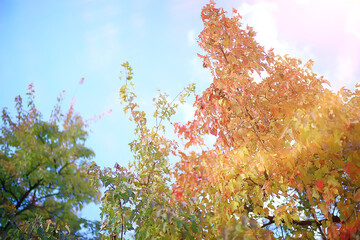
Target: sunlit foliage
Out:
[43,172]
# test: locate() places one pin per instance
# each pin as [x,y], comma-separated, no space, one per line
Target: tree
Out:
[287,149]
[139,199]
[44,172]
[285,163]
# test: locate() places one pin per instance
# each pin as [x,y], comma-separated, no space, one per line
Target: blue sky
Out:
[53,44]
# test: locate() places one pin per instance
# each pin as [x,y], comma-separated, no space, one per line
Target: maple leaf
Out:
[319,184]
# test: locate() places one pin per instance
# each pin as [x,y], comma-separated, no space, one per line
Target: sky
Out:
[53,44]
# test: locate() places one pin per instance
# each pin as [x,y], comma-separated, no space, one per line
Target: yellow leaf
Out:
[234,205]
[122,89]
[315,194]
[277,220]
[333,182]
[259,210]
[226,42]
[324,209]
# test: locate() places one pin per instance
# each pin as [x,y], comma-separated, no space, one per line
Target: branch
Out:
[248,178]
[335,219]
[32,170]
[122,222]
[318,224]
[30,205]
[47,196]
[65,165]
[6,190]
[255,131]
[26,194]
[221,49]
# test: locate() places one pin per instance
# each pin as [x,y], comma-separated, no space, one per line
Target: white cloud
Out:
[344,72]
[353,21]
[262,17]
[329,33]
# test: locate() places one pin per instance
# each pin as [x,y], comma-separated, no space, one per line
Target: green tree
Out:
[44,171]
[139,199]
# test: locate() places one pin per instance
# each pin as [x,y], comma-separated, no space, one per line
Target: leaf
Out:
[324,209]
[357,195]
[319,185]
[234,205]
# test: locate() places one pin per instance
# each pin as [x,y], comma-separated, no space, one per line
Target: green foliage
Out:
[43,169]
[139,198]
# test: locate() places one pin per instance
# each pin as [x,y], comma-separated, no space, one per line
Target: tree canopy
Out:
[285,163]
[287,148]
[43,171]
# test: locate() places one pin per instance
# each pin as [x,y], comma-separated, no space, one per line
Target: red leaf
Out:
[319,184]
